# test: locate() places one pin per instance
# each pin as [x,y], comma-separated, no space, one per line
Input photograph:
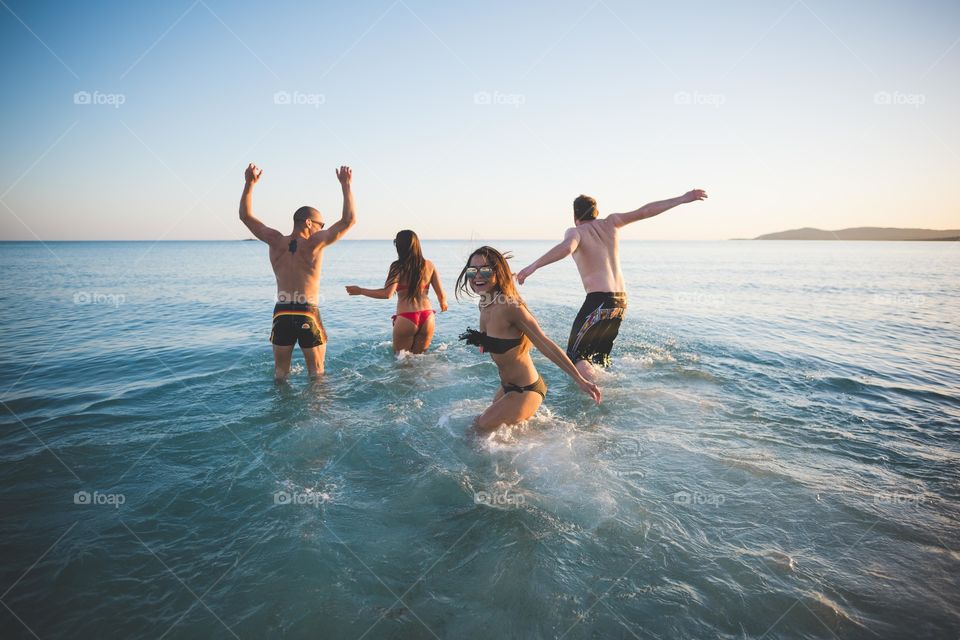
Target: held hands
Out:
[589,388]
[344,175]
[525,273]
[252,174]
[353,290]
[693,196]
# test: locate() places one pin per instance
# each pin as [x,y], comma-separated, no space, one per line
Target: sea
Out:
[776,454]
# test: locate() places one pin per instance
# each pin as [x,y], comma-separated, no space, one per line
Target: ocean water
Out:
[776,454]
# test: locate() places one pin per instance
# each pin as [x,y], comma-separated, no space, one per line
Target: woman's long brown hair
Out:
[409,269]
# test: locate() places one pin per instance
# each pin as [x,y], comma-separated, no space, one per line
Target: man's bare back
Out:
[597,255]
[297,260]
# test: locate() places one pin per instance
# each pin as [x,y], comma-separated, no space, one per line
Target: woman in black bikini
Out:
[410,276]
[507,329]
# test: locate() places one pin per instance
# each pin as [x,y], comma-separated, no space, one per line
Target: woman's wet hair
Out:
[506,289]
[584,208]
[409,269]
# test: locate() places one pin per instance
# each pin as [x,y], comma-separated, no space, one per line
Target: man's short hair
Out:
[303,214]
[584,208]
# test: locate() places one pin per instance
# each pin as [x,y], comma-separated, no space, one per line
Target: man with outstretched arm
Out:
[593,241]
[296,260]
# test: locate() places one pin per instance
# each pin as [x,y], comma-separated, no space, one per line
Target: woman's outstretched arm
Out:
[525,321]
[384,293]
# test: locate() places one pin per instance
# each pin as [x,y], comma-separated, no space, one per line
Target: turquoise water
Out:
[776,454]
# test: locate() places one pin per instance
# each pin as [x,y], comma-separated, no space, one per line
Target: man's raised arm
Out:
[251,176]
[656,208]
[567,246]
[349,216]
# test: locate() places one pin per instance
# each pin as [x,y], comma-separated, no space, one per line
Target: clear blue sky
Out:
[789,112]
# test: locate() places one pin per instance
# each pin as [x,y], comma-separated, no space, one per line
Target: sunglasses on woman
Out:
[484,272]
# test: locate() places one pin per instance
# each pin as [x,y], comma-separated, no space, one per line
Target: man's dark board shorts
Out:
[596,327]
[293,323]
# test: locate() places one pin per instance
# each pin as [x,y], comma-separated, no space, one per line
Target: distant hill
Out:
[863,233]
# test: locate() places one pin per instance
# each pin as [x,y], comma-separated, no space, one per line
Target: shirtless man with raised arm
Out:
[296,261]
[595,247]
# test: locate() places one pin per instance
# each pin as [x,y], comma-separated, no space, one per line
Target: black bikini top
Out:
[489,343]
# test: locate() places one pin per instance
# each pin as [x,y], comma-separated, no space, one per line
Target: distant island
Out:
[863,233]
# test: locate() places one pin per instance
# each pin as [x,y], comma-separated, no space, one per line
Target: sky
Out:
[135,120]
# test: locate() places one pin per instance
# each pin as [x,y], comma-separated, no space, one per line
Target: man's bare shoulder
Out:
[280,242]
[609,226]
[313,243]
[594,228]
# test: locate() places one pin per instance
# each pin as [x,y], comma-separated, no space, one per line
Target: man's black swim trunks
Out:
[596,327]
[293,323]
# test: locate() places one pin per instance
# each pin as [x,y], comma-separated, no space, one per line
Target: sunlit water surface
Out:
[776,452]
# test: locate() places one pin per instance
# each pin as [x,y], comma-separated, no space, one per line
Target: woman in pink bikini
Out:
[410,276]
